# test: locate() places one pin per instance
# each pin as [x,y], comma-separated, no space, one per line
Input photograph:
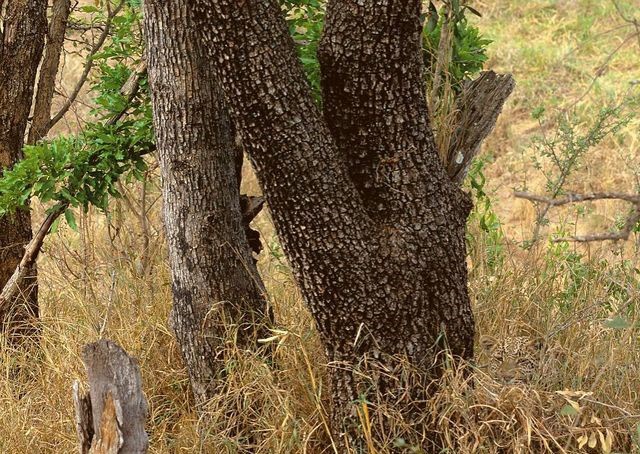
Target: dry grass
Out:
[91,286]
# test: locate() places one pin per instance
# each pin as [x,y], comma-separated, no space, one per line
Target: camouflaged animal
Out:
[512,359]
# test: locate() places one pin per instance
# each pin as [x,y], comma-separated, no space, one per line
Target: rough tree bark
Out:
[372,225]
[24,27]
[40,124]
[216,286]
[111,418]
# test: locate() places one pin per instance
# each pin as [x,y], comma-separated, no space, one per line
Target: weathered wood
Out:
[479,107]
[84,419]
[110,420]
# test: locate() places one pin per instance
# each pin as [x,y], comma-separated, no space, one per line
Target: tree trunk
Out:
[40,124]
[110,419]
[24,27]
[372,225]
[216,287]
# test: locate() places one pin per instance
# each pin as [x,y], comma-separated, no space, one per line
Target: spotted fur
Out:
[511,359]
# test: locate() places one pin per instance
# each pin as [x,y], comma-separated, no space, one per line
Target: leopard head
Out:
[511,359]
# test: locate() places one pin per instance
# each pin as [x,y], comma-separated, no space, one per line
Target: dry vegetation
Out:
[101,281]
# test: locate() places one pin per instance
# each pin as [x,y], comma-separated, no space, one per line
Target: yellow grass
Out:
[91,286]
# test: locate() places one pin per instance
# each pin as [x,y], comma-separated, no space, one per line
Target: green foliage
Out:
[567,266]
[83,169]
[305,19]
[571,141]
[468,46]
[79,171]
[488,221]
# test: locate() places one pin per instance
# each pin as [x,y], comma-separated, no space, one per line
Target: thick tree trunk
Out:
[216,286]
[24,27]
[372,225]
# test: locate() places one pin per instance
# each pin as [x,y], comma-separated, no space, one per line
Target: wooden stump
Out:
[110,419]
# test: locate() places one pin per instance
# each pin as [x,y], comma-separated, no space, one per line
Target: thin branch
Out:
[622,234]
[88,65]
[576,198]
[32,250]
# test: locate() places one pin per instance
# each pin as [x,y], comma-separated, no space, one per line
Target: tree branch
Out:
[623,234]
[87,67]
[479,106]
[281,127]
[375,105]
[12,287]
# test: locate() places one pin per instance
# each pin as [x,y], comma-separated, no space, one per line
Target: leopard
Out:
[511,360]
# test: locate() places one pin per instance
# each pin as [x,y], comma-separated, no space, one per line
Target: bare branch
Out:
[576,198]
[622,234]
[480,105]
[88,65]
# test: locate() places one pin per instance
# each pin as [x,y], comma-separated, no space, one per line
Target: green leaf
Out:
[473,11]
[89,9]
[568,410]
[71,219]
[54,226]
[617,323]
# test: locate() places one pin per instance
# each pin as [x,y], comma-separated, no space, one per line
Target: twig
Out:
[88,65]
[576,198]
[622,234]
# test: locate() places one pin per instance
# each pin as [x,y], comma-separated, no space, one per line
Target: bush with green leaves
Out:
[305,19]
[82,169]
[467,47]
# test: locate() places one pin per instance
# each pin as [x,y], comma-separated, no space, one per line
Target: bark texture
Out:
[24,27]
[216,286]
[40,124]
[370,221]
[111,418]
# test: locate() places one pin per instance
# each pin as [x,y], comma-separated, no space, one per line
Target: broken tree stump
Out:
[110,419]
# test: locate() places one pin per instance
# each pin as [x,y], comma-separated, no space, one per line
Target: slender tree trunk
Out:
[40,124]
[216,287]
[372,225]
[24,27]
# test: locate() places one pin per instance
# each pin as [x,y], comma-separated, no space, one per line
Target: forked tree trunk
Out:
[372,225]
[24,27]
[216,287]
